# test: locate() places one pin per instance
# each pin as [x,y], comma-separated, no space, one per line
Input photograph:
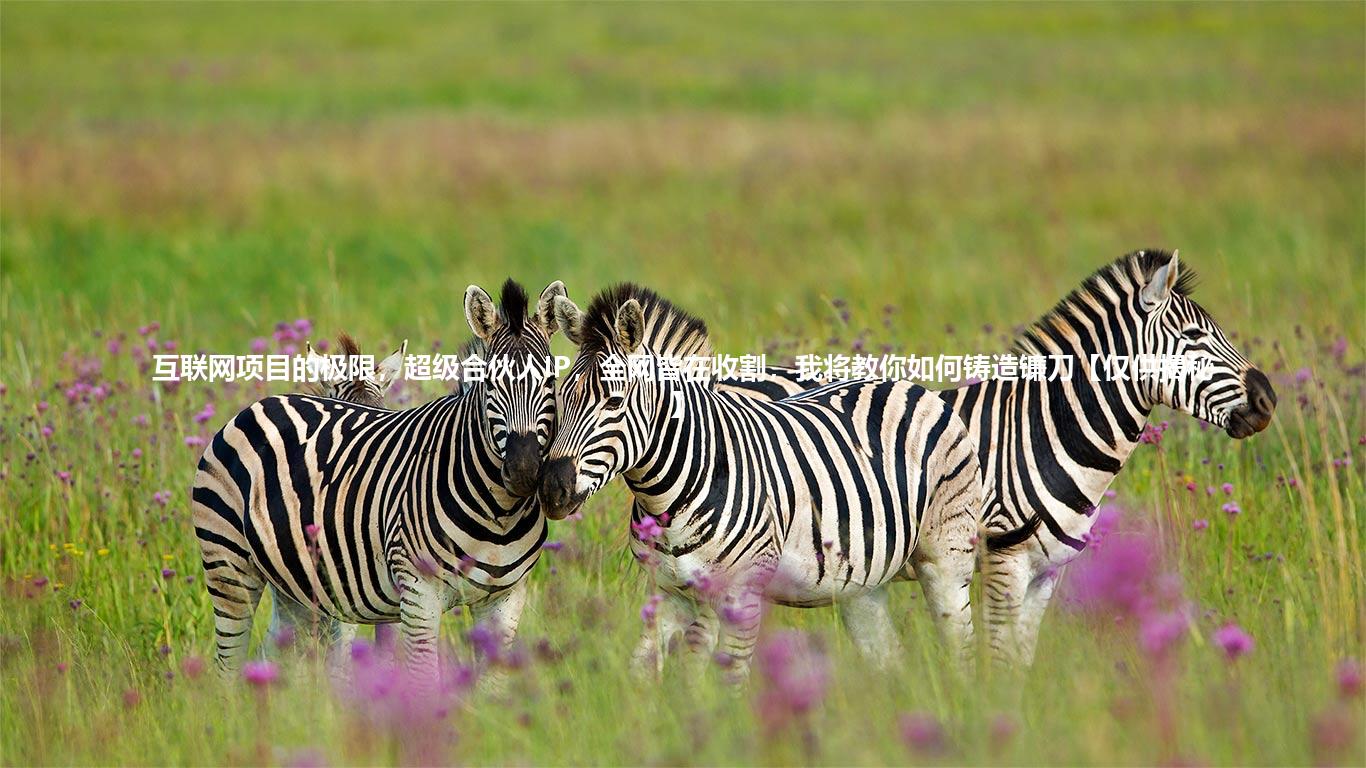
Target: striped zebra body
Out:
[370,516]
[1048,450]
[822,497]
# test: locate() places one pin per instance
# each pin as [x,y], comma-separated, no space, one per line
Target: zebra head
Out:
[518,386]
[1227,390]
[607,419]
[368,390]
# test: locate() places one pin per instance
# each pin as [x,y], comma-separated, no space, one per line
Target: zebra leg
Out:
[741,612]
[420,608]
[501,614]
[672,616]
[869,624]
[946,582]
[235,587]
[1036,601]
[1005,584]
[701,638]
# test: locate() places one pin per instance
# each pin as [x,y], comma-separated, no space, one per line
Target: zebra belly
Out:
[348,581]
[799,581]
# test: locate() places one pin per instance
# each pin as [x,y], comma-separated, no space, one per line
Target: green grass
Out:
[219,168]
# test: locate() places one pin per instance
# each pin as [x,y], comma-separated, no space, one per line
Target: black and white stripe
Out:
[1049,449]
[823,497]
[372,516]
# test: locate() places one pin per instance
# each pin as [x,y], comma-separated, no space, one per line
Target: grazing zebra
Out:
[1049,449]
[372,516]
[822,497]
[366,390]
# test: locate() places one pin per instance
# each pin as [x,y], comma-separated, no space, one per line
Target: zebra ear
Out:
[545,307]
[480,312]
[319,367]
[568,318]
[630,326]
[391,367]
[1160,285]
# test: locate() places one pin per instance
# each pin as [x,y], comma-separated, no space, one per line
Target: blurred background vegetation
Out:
[218,168]
[215,164]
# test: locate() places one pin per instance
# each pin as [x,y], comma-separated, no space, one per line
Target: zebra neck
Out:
[680,449]
[1073,437]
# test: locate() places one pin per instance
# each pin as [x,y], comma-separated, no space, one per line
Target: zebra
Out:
[1049,449]
[372,516]
[367,389]
[822,497]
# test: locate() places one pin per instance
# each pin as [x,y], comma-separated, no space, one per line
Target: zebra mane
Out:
[348,345]
[1123,276]
[669,331]
[512,304]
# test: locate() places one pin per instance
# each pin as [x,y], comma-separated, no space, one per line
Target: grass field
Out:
[217,169]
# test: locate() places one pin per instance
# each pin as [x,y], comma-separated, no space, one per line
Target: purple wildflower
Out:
[1334,732]
[1233,641]
[1200,524]
[1002,730]
[260,674]
[1160,633]
[647,529]
[650,609]
[794,674]
[192,667]
[485,641]
[1231,508]
[1117,575]
[922,733]
[386,695]
[1349,679]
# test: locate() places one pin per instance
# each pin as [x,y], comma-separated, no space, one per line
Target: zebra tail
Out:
[1007,539]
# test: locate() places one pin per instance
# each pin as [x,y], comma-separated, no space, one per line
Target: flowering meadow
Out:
[919,179]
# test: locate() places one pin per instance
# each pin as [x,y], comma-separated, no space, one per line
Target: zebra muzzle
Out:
[521,464]
[1255,416]
[557,496]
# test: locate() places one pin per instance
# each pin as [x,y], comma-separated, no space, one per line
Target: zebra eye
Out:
[1194,334]
[614,402]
